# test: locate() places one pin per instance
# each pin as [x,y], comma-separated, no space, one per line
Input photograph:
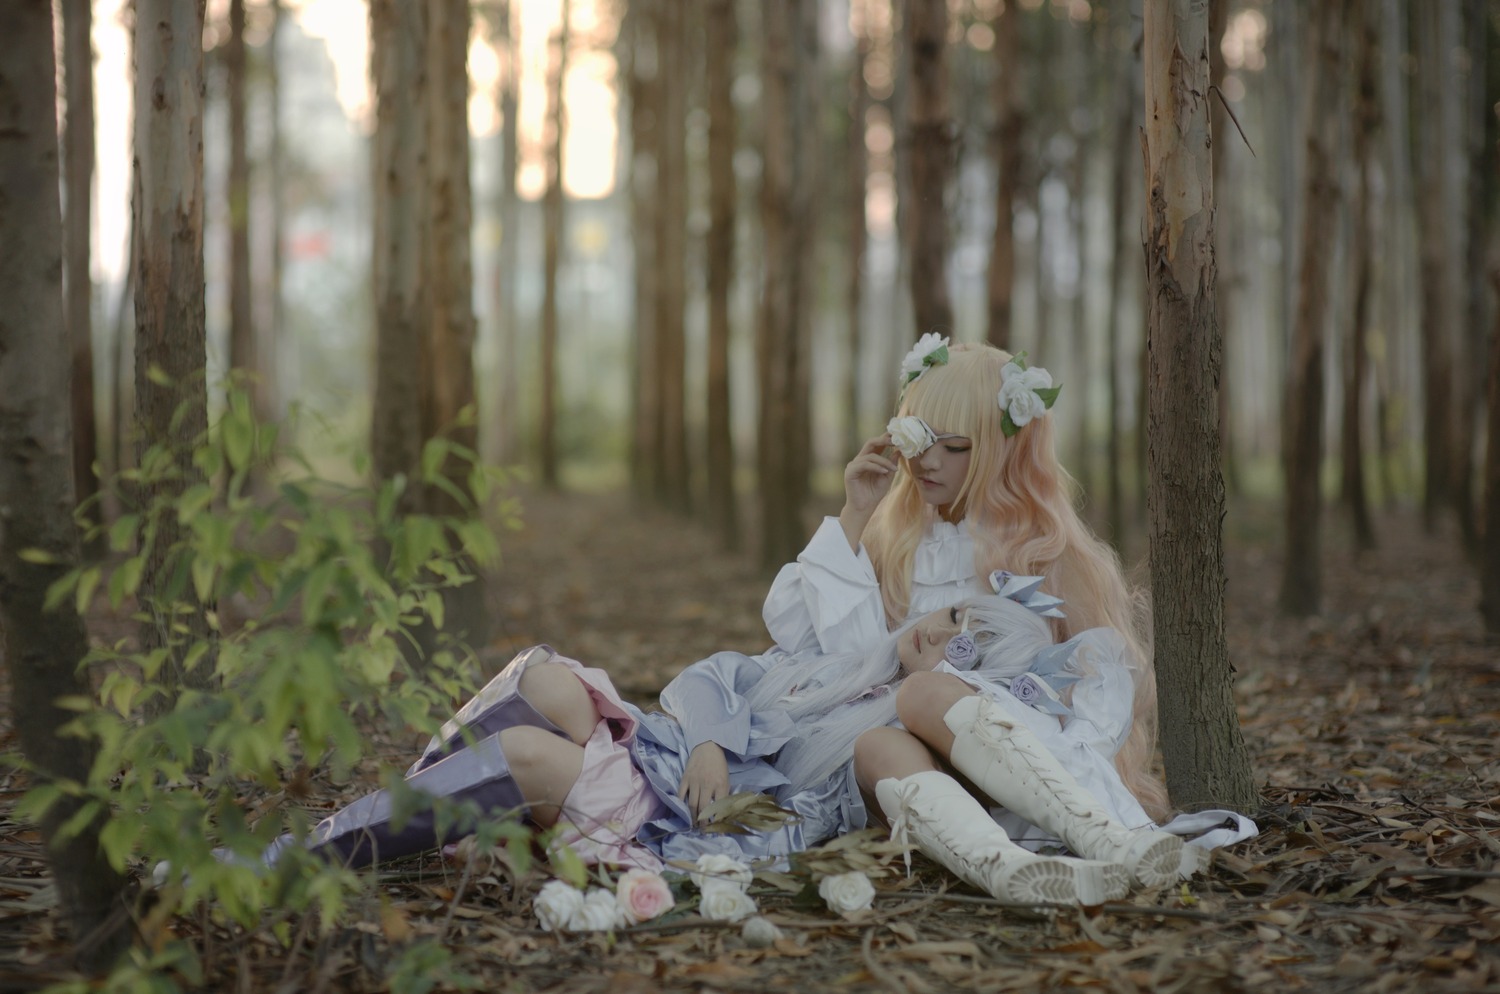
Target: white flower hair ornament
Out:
[911,435]
[931,350]
[1025,393]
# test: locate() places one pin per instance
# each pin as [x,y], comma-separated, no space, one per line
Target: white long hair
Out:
[833,698]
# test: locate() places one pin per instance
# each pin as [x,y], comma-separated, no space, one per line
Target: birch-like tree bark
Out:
[1302,417]
[721,43]
[856,169]
[42,648]
[1204,751]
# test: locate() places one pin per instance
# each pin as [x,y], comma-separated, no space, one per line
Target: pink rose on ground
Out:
[642,895]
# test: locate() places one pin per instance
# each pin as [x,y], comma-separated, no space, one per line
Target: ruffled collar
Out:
[945,554]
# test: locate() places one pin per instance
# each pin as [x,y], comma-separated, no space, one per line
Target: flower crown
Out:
[1026,392]
[931,350]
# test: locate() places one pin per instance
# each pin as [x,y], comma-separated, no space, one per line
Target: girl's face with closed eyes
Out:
[941,469]
[925,644]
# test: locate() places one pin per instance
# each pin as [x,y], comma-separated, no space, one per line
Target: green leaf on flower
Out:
[1049,394]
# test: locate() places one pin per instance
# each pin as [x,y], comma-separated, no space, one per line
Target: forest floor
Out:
[1372,731]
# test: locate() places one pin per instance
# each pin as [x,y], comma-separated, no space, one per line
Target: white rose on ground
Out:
[910,435]
[555,904]
[847,892]
[722,901]
[642,895]
[759,932]
[718,867]
[597,912]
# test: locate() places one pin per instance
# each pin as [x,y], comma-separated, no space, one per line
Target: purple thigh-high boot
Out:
[462,763]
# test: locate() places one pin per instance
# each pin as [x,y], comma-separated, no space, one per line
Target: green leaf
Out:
[59,589]
[88,582]
[193,500]
[122,532]
[38,557]
[1049,394]
[159,376]
[433,455]
[239,438]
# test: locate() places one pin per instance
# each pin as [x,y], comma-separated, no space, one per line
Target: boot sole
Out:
[1061,880]
[1154,859]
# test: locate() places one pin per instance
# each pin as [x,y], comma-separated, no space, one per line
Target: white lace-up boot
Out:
[933,812]
[1005,759]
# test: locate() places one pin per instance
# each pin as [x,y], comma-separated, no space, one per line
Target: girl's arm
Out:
[708,699]
[828,600]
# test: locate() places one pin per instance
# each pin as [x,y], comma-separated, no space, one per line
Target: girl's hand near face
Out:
[867,479]
[705,779]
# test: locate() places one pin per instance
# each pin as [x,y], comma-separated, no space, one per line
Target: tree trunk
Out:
[643,79]
[1123,224]
[509,100]
[1204,751]
[722,40]
[787,195]
[42,648]
[931,141]
[170,410]
[857,170]
[1479,222]
[1302,421]
[242,353]
[273,332]
[78,182]
[1366,126]
[1489,556]
[1009,127]
[671,252]
[1438,262]
[1218,21]
[448,339]
[398,42]
[552,225]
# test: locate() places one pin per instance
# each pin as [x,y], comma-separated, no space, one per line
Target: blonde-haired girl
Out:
[975,488]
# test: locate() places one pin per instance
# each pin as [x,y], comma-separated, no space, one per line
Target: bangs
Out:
[961,397]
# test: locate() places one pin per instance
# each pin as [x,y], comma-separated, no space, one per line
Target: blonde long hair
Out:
[1020,508]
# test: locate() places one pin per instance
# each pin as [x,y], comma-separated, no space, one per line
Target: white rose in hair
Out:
[722,901]
[847,892]
[1023,406]
[718,867]
[910,435]
[555,904]
[598,912]
[914,361]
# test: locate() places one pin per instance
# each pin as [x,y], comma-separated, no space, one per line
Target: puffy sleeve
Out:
[828,600]
[708,700]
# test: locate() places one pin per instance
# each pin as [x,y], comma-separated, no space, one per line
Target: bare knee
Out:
[923,699]
[543,766]
[888,752]
[560,697]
